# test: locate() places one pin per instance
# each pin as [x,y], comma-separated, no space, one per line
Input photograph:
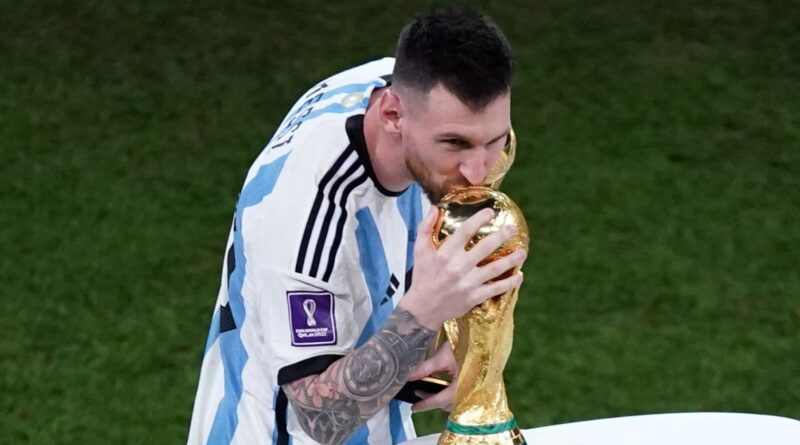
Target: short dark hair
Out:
[460,48]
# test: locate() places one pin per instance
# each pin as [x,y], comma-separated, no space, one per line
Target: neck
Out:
[385,149]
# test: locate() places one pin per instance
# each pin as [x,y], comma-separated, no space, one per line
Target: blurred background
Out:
[659,169]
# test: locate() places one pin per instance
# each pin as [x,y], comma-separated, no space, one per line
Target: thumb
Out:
[426,225]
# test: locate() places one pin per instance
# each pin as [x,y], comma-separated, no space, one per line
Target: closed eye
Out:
[457,142]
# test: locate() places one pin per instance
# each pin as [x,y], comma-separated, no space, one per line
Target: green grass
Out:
[659,169]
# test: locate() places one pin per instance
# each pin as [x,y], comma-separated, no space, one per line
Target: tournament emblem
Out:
[311,318]
[309,307]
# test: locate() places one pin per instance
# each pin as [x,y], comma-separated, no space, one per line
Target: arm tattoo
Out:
[332,405]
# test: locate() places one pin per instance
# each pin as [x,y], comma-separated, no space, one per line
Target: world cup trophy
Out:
[482,338]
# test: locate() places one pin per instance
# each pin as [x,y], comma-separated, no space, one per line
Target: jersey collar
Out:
[355,132]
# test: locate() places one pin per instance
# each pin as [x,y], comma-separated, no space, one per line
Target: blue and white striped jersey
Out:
[318,256]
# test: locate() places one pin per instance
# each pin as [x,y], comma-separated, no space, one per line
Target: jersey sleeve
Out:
[293,212]
[306,324]
[300,321]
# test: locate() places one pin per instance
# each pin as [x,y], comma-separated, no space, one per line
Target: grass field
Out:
[659,169]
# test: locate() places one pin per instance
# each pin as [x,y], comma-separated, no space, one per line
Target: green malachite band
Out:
[481,430]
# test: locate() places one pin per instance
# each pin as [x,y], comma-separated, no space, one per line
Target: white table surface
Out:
[664,429]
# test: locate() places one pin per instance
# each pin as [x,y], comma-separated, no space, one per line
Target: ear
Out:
[390,111]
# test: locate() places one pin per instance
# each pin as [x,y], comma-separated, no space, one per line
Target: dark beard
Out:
[435,192]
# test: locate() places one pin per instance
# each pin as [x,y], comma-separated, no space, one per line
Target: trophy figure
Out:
[482,338]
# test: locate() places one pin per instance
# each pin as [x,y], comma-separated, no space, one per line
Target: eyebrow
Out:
[461,136]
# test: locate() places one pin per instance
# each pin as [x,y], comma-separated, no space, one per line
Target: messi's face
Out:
[448,145]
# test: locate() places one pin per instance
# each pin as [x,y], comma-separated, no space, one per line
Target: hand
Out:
[445,361]
[447,281]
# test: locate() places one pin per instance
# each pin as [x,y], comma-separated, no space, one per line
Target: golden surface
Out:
[457,206]
[482,338]
[498,171]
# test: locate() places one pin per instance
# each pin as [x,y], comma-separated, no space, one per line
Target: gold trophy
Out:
[482,338]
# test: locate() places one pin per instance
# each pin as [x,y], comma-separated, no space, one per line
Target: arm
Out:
[332,405]
[447,283]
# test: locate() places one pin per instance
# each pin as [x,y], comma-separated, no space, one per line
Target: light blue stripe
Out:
[376,272]
[396,422]
[213,331]
[344,89]
[352,88]
[234,355]
[410,206]
[360,437]
[257,189]
[335,108]
[274,408]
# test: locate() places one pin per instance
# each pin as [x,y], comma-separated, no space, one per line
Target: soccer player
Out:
[318,324]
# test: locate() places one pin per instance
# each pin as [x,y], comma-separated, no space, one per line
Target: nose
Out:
[475,167]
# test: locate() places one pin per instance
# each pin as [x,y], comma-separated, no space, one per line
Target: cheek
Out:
[440,161]
[449,165]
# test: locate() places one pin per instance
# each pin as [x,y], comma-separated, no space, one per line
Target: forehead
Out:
[442,112]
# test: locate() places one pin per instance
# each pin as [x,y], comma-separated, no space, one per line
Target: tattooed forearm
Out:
[332,405]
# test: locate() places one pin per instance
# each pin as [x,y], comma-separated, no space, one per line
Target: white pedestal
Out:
[664,429]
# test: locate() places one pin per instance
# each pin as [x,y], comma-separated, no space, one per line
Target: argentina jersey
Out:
[318,256]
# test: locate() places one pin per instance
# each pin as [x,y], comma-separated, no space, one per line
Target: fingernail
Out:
[521,254]
[510,230]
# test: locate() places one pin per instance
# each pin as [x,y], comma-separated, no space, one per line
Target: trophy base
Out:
[512,436]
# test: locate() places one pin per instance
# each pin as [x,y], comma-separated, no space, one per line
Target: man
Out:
[318,325]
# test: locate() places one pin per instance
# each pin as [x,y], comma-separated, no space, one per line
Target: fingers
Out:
[443,360]
[447,360]
[489,290]
[442,400]
[501,265]
[423,369]
[455,243]
[487,245]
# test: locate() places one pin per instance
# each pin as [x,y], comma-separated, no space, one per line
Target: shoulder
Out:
[296,192]
[318,113]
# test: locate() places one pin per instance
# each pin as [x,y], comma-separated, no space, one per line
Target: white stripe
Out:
[254,410]
[210,391]
[379,432]
[408,424]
